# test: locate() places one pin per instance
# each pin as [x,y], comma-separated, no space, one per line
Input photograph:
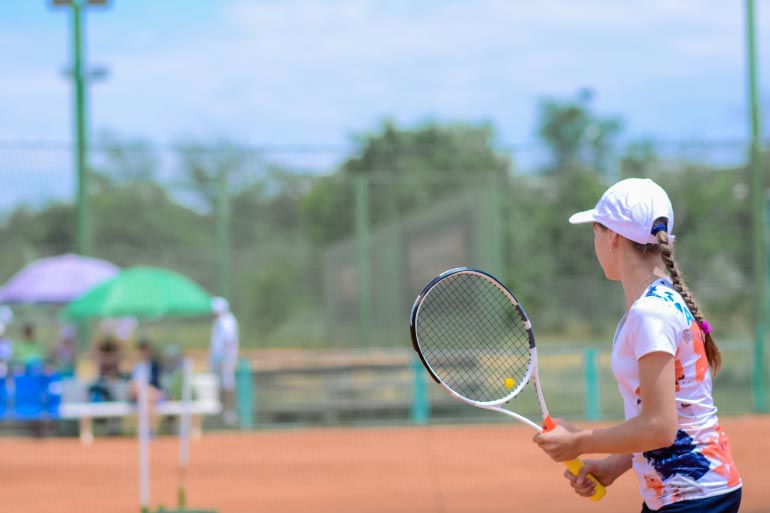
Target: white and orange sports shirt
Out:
[699,463]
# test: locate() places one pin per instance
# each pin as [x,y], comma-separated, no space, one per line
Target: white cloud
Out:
[302,70]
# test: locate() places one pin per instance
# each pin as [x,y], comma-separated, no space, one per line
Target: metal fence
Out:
[334,261]
[381,387]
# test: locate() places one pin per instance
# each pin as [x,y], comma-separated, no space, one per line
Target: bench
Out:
[205,393]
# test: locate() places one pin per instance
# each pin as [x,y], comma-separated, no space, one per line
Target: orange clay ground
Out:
[442,469]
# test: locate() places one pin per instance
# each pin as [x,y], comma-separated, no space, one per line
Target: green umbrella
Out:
[143,292]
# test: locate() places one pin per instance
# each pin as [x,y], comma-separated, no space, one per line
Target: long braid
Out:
[712,351]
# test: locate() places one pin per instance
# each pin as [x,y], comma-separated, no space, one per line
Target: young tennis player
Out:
[663,356]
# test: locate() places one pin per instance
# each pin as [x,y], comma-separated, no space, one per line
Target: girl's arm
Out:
[654,427]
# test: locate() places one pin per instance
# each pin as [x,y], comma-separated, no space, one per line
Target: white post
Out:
[143,433]
[184,430]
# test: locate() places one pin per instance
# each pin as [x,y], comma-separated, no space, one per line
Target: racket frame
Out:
[530,375]
[575,465]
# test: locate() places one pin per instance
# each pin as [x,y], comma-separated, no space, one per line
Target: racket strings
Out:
[474,337]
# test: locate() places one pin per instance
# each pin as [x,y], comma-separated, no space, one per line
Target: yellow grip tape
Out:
[574,467]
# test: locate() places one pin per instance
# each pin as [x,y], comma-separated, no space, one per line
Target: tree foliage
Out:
[282,221]
[405,169]
[575,136]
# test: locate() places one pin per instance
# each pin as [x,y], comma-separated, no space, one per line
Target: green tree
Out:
[406,168]
[203,166]
[713,224]
[136,223]
[575,136]
[580,143]
[124,160]
[142,223]
[29,234]
[640,160]
[267,209]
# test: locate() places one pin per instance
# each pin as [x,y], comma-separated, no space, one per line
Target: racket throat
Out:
[548,423]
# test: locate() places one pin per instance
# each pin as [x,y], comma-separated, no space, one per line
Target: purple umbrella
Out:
[56,280]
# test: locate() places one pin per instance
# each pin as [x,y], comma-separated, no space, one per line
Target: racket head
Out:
[473,336]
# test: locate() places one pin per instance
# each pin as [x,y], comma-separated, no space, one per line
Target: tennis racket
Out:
[476,341]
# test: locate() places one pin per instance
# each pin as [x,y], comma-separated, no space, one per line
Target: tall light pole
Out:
[83,214]
[758,202]
[222,220]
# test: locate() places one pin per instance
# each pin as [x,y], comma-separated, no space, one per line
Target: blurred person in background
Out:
[223,355]
[111,382]
[28,352]
[663,358]
[122,329]
[33,380]
[149,364]
[64,351]
[6,350]
[6,343]
[147,358]
[6,314]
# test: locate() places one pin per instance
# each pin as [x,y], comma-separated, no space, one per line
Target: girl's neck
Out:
[637,279]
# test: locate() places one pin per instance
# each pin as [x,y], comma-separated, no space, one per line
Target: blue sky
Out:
[317,72]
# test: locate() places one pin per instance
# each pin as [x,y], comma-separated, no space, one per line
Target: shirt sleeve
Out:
[652,327]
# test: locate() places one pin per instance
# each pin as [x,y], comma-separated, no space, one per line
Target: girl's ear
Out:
[614,239]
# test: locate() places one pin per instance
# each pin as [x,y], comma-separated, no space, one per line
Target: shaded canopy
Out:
[56,280]
[145,293]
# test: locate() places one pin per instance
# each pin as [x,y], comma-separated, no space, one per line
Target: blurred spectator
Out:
[64,351]
[50,389]
[6,352]
[6,314]
[28,352]
[147,357]
[109,358]
[122,328]
[110,384]
[6,348]
[148,364]
[223,355]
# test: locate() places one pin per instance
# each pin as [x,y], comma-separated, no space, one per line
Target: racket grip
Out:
[575,465]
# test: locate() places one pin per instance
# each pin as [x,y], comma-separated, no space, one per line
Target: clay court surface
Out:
[442,469]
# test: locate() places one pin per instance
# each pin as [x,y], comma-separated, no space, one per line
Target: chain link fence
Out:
[333,261]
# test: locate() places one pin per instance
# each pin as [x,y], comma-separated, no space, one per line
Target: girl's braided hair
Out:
[666,250]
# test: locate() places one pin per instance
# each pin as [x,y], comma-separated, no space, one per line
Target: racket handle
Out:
[575,465]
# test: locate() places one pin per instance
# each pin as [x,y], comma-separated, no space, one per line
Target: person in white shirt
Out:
[663,357]
[223,355]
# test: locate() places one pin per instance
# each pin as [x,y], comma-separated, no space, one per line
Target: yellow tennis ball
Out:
[509,382]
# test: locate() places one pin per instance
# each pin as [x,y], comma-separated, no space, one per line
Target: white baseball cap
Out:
[630,208]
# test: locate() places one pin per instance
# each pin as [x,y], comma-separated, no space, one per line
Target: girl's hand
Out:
[569,427]
[606,471]
[560,443]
